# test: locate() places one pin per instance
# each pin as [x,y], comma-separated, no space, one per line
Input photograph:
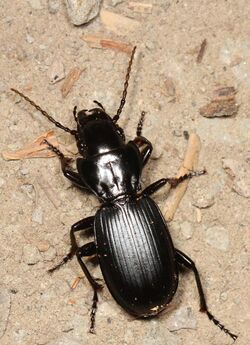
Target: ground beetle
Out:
[136,254]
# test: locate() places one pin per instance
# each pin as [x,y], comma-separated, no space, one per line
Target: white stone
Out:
[82,11]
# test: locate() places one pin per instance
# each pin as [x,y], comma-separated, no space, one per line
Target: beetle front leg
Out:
[67,172]
[184,260]
[88,250]
[83,224]
[146,152]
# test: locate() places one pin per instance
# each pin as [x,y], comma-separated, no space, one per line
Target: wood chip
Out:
[98,41]
[201,51]
[223,105]
[72,77]
[76,282]
[140,7]
[117,23]
[169,89]
[36,149]
[189,164]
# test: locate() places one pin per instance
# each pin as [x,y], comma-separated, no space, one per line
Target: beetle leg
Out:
[172,181]
[146,152]
[71,175]
[88,250]
[184,260]
[83,224]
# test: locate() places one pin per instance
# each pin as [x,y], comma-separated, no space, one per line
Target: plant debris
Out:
[140,7]
[36,149]
[98,41]
[222,105]
[201,51]
[117,23]
[189,164]
[72,77]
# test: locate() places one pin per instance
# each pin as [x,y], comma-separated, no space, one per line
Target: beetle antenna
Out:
[124,94]
[44,113]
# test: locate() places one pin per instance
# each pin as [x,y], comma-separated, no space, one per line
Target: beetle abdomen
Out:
[136,256]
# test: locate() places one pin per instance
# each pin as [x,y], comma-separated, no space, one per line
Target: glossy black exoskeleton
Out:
[138,260]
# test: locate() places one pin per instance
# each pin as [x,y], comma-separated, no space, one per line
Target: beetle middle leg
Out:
[89,249]
[83,224]
[184,260]
[172,181]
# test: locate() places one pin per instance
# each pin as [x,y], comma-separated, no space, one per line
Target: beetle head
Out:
[96,132]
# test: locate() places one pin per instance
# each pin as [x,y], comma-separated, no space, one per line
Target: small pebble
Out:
[36,4]
[27,188]
[223,296]
[203,198]
[2,182]
[239,171]
[31,255]
[183,318]
[53,6]
[37,215]
[49,254]
[81,12]
[29,39]
[217,237]
[24,172]
[187,230]
[43,246]
[4,310]
[158,147]
[116,2]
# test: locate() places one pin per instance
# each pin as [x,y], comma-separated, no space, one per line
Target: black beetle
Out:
[136,254]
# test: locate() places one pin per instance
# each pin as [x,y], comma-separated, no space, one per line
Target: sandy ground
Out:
[37,308]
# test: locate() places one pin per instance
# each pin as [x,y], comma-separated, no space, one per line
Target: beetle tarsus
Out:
[185,261]
[222,327]
[93,312]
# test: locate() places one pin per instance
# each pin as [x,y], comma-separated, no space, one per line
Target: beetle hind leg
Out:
[83,224]
[185,261]
[89,249]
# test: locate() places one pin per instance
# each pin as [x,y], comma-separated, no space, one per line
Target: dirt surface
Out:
[212,222]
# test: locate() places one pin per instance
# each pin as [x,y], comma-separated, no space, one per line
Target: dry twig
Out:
[36,149]
[72,77]
[98,41]
[189,164]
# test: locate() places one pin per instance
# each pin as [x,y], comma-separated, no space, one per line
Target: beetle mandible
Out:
[135,251]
